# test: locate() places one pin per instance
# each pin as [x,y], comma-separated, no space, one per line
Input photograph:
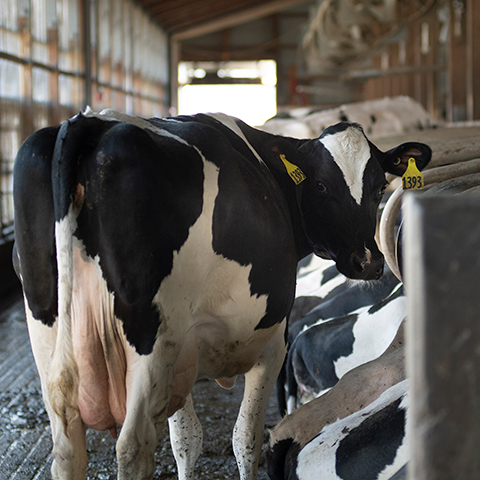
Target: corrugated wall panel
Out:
[49,70]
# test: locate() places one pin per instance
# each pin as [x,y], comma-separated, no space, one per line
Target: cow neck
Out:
[274,157]
[269,149]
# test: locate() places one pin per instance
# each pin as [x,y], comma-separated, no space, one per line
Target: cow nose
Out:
[368,268]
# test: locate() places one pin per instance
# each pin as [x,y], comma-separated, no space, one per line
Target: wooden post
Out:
[473,59]
[52,42]
[442,246]
[25,36]
[87,53]
[457,64]
[175,47]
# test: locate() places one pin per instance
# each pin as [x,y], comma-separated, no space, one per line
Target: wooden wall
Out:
[435,60]
[55,60]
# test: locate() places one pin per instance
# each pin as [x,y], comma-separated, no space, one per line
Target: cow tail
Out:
[291,382]
[63,377]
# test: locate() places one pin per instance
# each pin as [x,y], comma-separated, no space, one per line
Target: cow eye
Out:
[321,187]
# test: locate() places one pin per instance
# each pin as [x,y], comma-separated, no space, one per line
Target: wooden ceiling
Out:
[186,19]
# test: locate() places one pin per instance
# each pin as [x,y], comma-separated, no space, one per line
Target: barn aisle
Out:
[25,439]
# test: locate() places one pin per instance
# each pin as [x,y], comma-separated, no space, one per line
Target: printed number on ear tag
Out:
[412,179]
[295,173]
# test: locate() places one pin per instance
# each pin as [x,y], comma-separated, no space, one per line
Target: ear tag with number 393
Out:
[412,179]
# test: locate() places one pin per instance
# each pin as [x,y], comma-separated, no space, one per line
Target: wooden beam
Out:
[238,18]
[174,60]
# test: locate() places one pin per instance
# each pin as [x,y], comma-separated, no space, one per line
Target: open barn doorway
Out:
[244,89]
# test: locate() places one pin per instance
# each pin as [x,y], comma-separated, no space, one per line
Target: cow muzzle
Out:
[362,267]
[368,268]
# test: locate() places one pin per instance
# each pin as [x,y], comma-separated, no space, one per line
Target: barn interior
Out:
[145,57]
[56,57]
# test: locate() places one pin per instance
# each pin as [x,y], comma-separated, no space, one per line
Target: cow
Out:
[339,296]
[322,353]
[370,443]
[355,430]
[315,286]
[153,252]
[382,117]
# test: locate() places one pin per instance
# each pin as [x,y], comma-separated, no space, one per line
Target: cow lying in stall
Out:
[327,347]
[383,117]
[355,430]
[154,252]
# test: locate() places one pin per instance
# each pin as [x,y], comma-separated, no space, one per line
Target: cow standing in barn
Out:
[154,252]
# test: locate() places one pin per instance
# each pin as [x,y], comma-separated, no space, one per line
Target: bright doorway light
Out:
[246,90]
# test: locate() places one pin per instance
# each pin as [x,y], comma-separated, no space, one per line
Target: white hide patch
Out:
[111,115]
[232,125]
[373,333]
[319,455]
[351,152]
[310,284]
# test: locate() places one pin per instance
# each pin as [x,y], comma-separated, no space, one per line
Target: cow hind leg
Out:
[186,437]
[149,389]
[248,433]
[69,451]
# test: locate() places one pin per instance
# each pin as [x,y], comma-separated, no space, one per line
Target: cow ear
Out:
[396,160]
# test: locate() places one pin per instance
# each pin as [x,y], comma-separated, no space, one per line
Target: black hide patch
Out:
[282,459]
[369,448]
[314,352]
[35,224]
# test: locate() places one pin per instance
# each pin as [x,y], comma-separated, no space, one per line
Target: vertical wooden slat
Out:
[432,100]
[25,37]
[456,110]
[174,60]
[52,43]
[87,51]
[410,59]
[473,59]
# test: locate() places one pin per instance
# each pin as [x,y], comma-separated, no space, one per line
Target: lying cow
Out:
[343,297]
[315,286]
[355,430]
[154,252]
[336,296]
[321,354]
[370,443]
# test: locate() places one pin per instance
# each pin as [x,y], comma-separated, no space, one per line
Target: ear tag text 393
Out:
[412,179]
[293,171]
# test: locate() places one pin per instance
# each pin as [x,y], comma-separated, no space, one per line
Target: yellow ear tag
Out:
[295,173]
[412,179]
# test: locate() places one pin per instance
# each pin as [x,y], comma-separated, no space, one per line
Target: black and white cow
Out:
[340,296]
[354,431]
[370,443]
[322,353]
[317,282]
[154,252]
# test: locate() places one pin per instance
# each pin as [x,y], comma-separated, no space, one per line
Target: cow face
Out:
[345,182]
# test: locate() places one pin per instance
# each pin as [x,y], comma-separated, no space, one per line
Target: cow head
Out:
[339,197]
